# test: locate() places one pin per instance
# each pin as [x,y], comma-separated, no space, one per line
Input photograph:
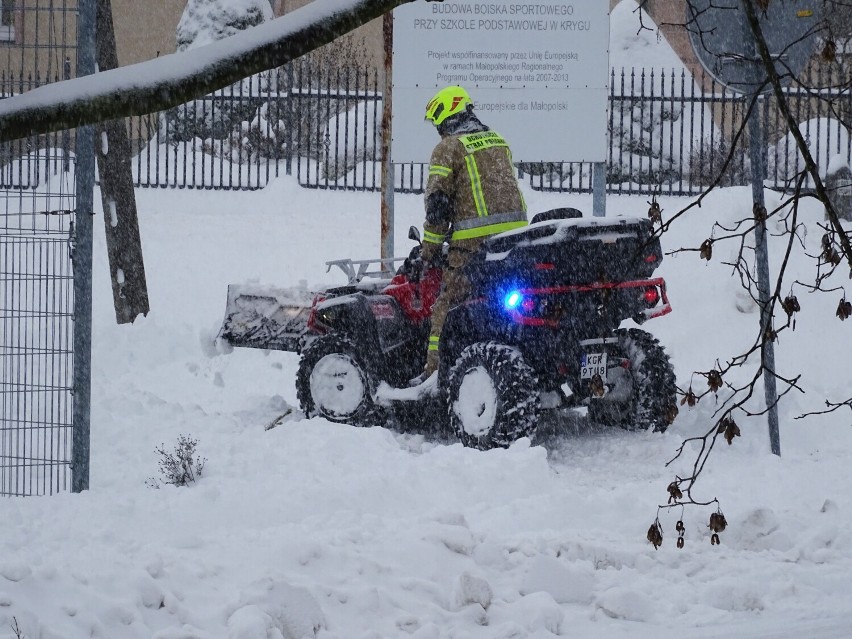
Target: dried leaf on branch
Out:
[655,534]
[830,255]
[718,523]
[655,213]
[706,251]
[791,305]
[730,429]
[829,51]
[714,380]
[671,413]
[675,493]
[759,212]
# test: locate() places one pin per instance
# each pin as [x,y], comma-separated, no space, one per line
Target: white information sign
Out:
[537,71]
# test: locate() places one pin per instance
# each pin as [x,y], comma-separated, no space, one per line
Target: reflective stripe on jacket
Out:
[475,170]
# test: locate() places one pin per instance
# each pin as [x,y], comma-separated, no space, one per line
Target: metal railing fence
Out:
[669,133]
[669,136]
[321,124]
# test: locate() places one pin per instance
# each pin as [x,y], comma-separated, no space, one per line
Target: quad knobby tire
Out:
[332,382]
[492,396]
[644,394]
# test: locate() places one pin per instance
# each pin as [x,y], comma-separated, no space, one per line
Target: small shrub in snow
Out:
[646,142]
[350,138]
[16,629]
[825,137]
[707,158]
[260,116]
[181,466]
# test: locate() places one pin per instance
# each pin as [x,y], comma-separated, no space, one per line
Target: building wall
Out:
[144,29]
[371,33]
[670,15]
[42,45]
[160,19]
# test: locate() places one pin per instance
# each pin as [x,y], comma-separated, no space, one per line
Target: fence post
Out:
[387,247]
[757,144]
[599,189]
[66,134]
[82,260]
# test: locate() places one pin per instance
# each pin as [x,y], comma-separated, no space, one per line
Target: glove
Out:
[413,265]
[431,253]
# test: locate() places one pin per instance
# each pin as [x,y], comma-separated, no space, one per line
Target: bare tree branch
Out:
[733,399]
[792,125]
[171,80]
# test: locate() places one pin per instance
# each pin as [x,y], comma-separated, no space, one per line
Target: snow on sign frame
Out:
[538,72]
[723,42]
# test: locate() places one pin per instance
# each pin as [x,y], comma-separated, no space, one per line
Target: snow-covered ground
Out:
[313,529]
[327,531]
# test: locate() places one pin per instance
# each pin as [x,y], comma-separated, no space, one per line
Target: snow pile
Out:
[352,139]
[314,529]
[206,21]
[304,528]
[235,122]
[827,138]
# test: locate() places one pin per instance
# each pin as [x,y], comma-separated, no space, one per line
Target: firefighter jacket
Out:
[475,173]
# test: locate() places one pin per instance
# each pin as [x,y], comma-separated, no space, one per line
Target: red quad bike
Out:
[540,331]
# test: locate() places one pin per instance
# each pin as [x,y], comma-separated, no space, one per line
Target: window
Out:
[7,21]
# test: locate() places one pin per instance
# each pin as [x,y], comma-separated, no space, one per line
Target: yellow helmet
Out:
[446,102]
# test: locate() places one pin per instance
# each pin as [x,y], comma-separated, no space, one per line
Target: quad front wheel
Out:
[332,382]
[492,395]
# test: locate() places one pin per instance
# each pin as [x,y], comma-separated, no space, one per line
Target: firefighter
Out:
[471,193]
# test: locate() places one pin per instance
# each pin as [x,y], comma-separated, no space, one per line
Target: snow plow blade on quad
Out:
[277,318]
[267,318]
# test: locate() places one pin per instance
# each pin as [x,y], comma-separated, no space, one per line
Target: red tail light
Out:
[651,296]
[650,259]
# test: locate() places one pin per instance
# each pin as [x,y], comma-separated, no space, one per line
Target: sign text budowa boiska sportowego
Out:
[547,58]
[522,17]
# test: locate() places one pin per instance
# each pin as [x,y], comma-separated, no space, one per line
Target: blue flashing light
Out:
[512,300]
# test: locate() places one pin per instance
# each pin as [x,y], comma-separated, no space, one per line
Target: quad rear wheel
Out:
[492,396]
[641,385]
[332,382]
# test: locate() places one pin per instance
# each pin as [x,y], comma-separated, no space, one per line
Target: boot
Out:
[430,368]
[419,379]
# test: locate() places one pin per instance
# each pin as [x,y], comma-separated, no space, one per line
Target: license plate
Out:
[592,364]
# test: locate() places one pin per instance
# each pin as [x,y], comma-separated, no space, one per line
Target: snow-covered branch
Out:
[173,79]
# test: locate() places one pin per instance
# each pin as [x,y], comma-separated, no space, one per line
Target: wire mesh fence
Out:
[36,329]
[37,204]
[36,288]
